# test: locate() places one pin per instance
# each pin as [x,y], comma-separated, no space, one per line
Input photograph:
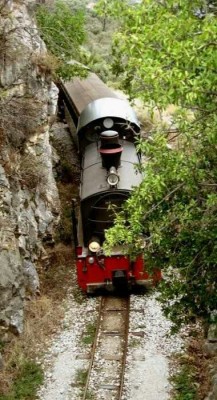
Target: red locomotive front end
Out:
[114,272]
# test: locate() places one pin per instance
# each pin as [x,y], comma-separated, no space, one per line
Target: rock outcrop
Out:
[29,203]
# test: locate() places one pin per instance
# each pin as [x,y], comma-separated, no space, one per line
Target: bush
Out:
[32,171]
[19,119]
[27,381]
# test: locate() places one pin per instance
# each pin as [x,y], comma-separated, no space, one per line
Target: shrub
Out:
[19,117]
[29,378]
[32,171]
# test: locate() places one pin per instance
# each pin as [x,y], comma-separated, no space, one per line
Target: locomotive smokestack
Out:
[110,149]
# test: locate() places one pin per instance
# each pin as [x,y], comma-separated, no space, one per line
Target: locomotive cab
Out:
[104,115]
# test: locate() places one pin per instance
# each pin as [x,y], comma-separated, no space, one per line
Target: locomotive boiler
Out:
[107,128]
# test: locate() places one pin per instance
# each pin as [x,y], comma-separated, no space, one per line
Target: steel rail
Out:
[93,349]
[103,312]
[125,350]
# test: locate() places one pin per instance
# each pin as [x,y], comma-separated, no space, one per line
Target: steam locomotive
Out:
[106,130]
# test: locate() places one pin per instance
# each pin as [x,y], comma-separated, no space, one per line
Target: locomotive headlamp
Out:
[113,177]
[108,123]
[94,245]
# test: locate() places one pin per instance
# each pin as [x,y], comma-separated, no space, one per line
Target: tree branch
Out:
[164,198]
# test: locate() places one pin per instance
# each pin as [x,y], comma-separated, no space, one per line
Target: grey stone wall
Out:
[29,203]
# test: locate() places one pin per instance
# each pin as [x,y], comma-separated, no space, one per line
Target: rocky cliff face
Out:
[29,203]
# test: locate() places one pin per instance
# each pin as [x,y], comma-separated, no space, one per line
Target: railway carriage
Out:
[107,128]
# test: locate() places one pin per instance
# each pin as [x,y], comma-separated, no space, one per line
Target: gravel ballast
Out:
[148,360]
[67,356]
[149,351]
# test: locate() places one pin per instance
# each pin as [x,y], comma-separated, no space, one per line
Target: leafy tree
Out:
[166,53]
[63,32]
[109,8]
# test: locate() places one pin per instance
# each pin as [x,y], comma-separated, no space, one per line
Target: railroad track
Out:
[105,378]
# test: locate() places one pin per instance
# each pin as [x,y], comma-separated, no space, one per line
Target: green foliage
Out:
[65,232]
[89,334]
[165,50]
[97,50]
[184,383]
[2,345]
[109,8]
[81,377]
[90,396]
[166,54]
[30,377]
[63,32]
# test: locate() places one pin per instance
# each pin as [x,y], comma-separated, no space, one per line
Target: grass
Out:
[26,383]
[133,343]
[184,383]
[90,396]
[192,380]
[79,295]
[81,377]
[19,353]
[2,345]
[89,334]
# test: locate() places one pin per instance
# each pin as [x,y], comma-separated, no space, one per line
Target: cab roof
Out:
[108,107]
